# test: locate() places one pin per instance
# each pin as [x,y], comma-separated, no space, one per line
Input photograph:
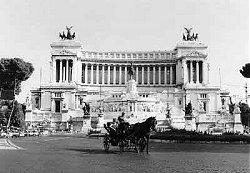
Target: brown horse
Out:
[141,132]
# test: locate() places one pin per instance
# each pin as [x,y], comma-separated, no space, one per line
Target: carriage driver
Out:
[121,118]
[121,125]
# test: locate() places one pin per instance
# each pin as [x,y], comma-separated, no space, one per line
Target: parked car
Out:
[45,132]
[3,134]
[23,133]
[33,133]
[13,134]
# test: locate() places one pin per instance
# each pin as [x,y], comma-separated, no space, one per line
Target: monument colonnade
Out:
[194,71]
[117,74]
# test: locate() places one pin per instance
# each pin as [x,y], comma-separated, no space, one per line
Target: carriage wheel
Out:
[142,144]
[106,143]
[121,145]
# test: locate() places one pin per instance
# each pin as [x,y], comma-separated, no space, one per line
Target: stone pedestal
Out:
[190,123]
[86,124]
[101,122]
[238,127]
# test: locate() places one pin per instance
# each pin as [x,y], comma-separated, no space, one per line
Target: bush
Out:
[184,136]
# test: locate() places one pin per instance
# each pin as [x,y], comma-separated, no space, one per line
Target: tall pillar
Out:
[97,74]
[126,74]
[153,75]
[142,75]
[203,73]
[114,75]
[136,71]
[208,69]
[79,72]
[74,77]
[54,70]
[191,72]
[120,74]
[61,71]
[197,72]
[91,75]
[165,74]
[159,70]
[67,70]
[103,68]
[148,75]
[108,74]
[86,73]
[185,71]
[171,74]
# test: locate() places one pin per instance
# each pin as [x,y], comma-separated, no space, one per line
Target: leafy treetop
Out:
[12,72]
[246,70]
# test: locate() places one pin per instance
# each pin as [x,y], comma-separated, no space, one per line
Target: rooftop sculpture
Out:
[188,36]
[68,36]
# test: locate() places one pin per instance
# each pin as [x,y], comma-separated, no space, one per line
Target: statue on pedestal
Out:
[131,71]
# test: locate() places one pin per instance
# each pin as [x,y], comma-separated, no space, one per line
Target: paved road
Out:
[6,144]
[77,154]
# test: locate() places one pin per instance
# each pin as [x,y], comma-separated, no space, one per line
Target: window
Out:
[203,96]
[58,94]
[57,106]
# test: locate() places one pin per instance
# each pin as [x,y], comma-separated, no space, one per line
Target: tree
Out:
[17,118]
[245,71]
[245,114]
[12,72]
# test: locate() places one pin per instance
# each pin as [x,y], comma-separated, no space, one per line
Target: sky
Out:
[28,27]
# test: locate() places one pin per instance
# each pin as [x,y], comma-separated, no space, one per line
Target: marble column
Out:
[86,73]
[148,75]
[153,75]
[171,74]
[202,72]
[126,73]
[91,74]
[136,71]
[120,74]
[191,72]
[74,77]
[67,70]
[97,74]
[108,74]
[165,74]
[103,68]
[79,72]
[159,70]
[61,71]
[54,70]
[142,75]
[114,75]
[197,72]
[185,71]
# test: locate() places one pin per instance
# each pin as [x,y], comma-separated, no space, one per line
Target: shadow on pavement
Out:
[93,151]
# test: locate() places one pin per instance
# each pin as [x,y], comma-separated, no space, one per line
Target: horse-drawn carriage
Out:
[127,136]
